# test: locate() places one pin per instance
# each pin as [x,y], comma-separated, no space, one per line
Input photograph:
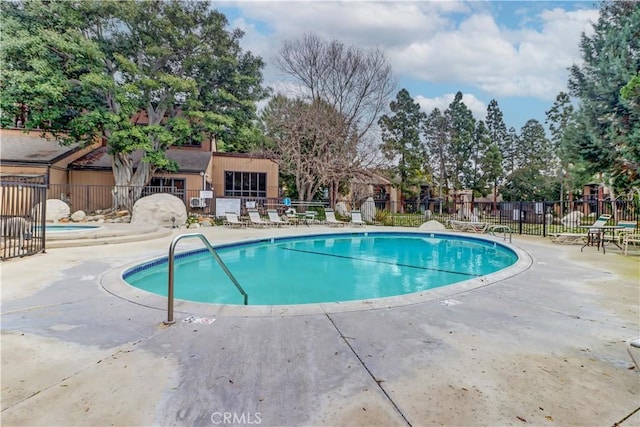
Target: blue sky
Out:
[516,52]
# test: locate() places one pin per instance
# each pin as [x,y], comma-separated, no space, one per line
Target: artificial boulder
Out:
[159,209]
[432,225]
[548,219]
[57,210]
[368,210]
[341,209]
[78,216]
[572,219]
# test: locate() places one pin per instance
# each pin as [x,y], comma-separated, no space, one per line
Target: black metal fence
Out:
[531,218]
[22,215]
[96,198]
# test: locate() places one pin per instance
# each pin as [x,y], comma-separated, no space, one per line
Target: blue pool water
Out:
[325,268]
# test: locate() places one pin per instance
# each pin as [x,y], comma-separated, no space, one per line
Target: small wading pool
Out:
[325,268]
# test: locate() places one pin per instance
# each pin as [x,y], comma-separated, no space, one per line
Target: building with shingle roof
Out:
[83,175]
[35,154]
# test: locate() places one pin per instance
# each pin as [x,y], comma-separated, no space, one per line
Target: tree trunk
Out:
[128,184]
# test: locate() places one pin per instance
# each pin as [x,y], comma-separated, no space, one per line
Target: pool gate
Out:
[22,215]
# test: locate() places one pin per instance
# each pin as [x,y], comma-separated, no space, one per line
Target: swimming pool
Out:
[55,228]
[325,268]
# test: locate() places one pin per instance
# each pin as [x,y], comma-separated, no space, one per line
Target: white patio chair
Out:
[232,221]
[275,219]
[255,220]
[330,219]
[356,219]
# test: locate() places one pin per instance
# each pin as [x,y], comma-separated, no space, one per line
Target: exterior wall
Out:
[192,181]
[243,163]
[102,182]
[91,177]
[94,177]
[23,170]
[57,175]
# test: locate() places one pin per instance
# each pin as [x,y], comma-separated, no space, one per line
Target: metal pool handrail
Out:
[170,290]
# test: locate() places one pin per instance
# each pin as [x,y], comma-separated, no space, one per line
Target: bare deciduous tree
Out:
[355,85]
[307,141]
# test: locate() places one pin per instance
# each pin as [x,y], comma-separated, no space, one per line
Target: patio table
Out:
[596,234]
[301,218]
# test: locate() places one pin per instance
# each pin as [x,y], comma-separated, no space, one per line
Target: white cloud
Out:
[477,107]
[501,62]
[452,43]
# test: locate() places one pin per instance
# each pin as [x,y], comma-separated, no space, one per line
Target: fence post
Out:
[520,218]
[544,218]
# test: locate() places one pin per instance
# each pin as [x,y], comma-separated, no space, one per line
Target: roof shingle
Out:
[188,161]
[32,148]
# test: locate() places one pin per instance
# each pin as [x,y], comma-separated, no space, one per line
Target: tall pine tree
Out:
[609,137]
[401,142]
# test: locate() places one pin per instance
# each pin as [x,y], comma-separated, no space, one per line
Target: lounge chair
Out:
[275,219]
[469,226]
[629,227]
[570,238]
[232,221]
[356,219]
[330,219]
[255,220]
[633,238]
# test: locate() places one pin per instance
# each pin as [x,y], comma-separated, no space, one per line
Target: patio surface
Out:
[545,347]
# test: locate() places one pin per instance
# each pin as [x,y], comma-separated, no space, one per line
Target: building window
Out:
[245,184]
[173,186]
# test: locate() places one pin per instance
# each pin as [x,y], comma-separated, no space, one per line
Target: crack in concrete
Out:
[378,381]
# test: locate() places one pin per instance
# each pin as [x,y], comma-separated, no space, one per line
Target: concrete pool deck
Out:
[545,347]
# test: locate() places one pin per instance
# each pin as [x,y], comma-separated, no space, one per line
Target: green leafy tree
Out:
[561,120]
[509,151]
[496,127]
[499,145]
[475,179]
[461,126]
[528,184]
[96,64]
[485,163]
[437,138]
[631,91]
[401,142]
[492,167]
[609,140]
[532,160]
[533,148]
